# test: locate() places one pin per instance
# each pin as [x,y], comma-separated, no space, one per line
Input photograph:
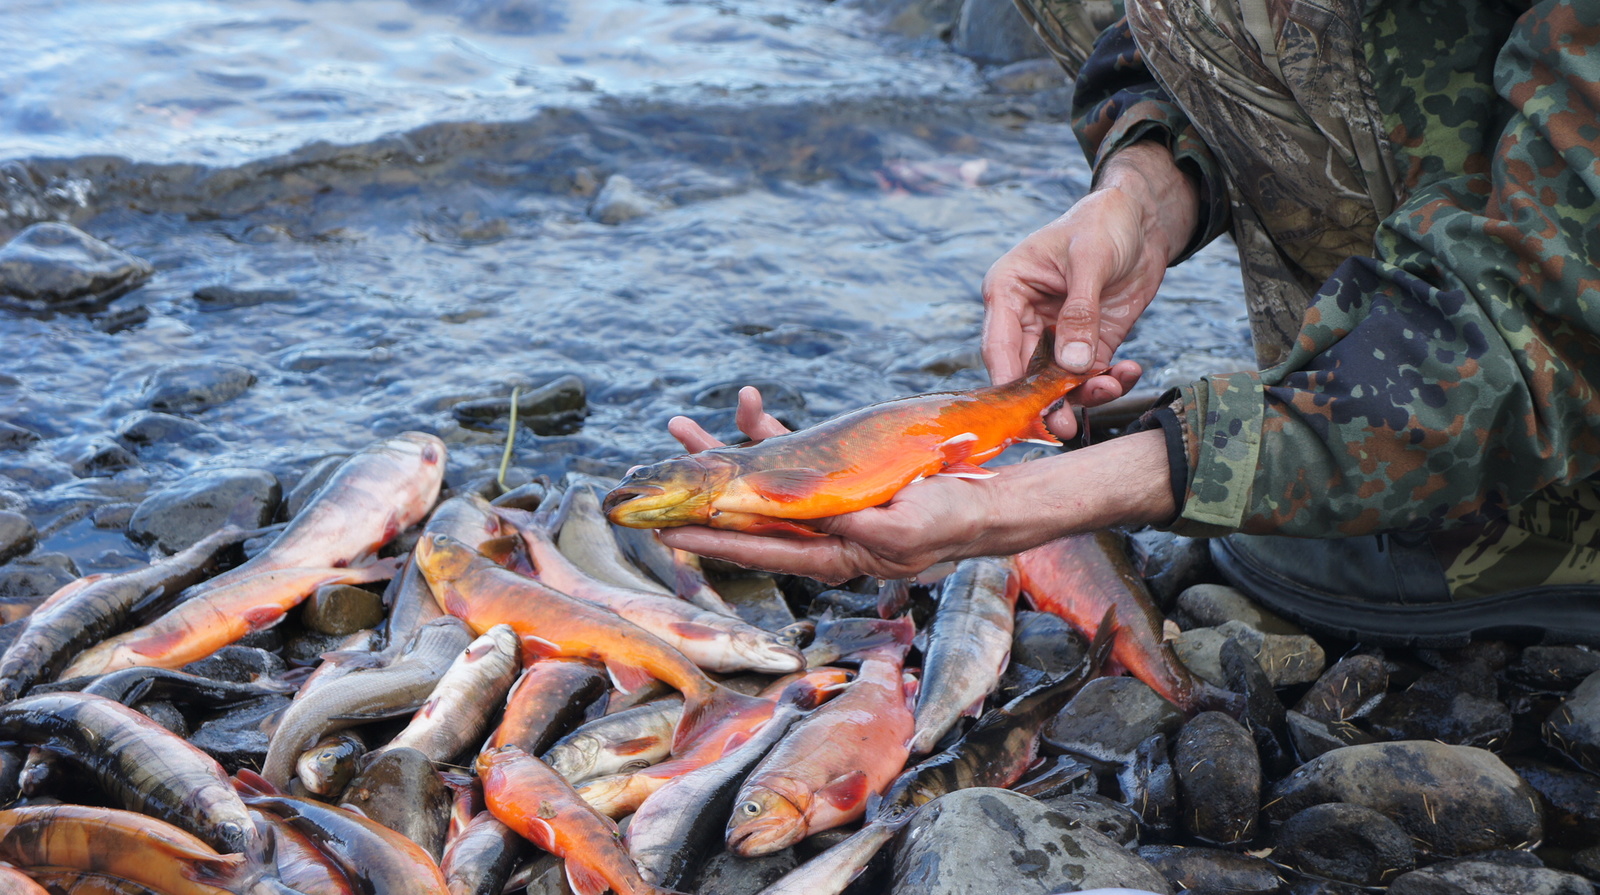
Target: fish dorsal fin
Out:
[1044,354]
[846,792]
[789,483]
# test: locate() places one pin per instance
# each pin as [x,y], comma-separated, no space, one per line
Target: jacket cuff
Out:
[1222,419]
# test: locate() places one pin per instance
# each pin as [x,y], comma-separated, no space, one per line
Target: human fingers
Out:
[830,558]
[691,435]
[1062,420]
[753,420]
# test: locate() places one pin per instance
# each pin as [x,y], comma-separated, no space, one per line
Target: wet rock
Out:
[183,513]
[1029,76]
[1045,641]
[17,535]
[401,790]
[237,664]
[993,32]
[1110,717]
[308,485]
[307,647]
[913,18]
[1351,688]
[556,408]
[341,609]
[1452,800]
[1213,605]
[1212,871]
[1150,786]
[1312,738]
[1118,822]
[222,295]
[781,399]
[151,428]
[112,516]
[1351,843]
[15,438]
[166,714]
[1323,887]
[802,341]
[980,841]
[1287,659]
[620,201]
[192,387]
[1573,729]
[26,581]
[1469,877]
[1571,802]
[95,456]
[843,604]
[1560,667]
[758,600]
[1262,712]
[53,265]
[729,874]
[1587,862]
[238,737]
[1219,778]
[1169,564]
[1455,706]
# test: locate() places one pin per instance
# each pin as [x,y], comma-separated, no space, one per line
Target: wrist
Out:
[1167,198]
[1122,482]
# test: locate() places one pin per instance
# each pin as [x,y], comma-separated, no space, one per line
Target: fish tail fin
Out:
[718,706]
[894,596]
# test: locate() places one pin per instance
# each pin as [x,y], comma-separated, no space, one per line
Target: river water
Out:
[400,196]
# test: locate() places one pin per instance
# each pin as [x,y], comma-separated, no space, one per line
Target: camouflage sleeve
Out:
[1456,373]
[1117,102]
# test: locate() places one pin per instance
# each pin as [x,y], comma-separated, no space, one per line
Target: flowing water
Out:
[400,197]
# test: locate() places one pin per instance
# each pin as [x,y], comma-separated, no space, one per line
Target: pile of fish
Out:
[540,676]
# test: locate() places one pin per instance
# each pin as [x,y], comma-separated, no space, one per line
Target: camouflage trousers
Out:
[1281,92]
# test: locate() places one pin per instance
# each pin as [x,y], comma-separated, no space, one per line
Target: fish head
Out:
[679,491]
[765,652]
[763,822]
[442,558]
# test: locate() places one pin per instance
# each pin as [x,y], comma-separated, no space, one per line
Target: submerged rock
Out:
[1110,717]
[192,387]
[620,201]
[17,535]
[981,841]
[50,265]
[183,513]
[1470,877]
[729,874]
[993,32]
[1453,800]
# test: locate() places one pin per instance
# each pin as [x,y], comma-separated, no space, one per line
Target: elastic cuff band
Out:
[1177,460]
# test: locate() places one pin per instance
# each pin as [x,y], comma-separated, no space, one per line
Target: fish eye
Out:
[750,808]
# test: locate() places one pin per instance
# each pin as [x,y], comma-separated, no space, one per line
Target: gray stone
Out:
[993,32]
[1351,843]
[1573,729]
[1170,564]
[148,428]
[1045,641]
[237,738]
[1452,800]
[1212,871]
[1219,778]
[729,874]
[181,514]
[1118,822]
[620,201]
[1455,706]
[1150,786]
[237,664]
[1110,717]
[166,714]
[53,264]
[981,841]
[1571,801]
[1287,659]
[1470,877]
[227,296]
[1351,688]
[195,386]
[1312,738]
[1028,76]
[113,516]
[17,535]
[1212,605]
[1556,666]
[912,18]
[341,609]
[758,600]
[26,581]
[94,456]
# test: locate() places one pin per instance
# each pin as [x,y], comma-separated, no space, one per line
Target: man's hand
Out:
[945,518]
[1090,273]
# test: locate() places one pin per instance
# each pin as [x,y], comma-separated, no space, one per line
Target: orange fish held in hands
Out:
[851,462]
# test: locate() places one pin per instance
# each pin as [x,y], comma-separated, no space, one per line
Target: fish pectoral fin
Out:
[584,880]
[1038,434]
[500,550]
[694,631]
[379,714]
[628,678]
[846,792]
[964,470]
[755,523]
[790,483]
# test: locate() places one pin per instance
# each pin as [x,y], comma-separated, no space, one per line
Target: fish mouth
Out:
[649,506]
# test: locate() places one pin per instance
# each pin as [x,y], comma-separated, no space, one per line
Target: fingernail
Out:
[1076,355]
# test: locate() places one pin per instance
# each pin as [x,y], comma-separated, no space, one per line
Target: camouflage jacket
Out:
[1453,372]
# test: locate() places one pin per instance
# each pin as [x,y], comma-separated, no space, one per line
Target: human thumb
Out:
[1077,331]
